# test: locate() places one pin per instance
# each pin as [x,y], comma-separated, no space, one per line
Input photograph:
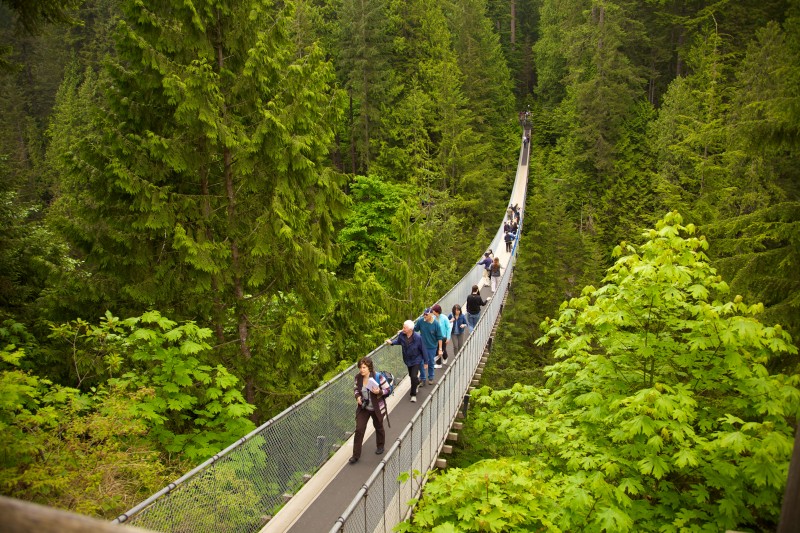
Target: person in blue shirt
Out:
[487,264]
[444,324]
[431,332]
[413,353]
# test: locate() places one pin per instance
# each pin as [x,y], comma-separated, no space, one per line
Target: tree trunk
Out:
[365,113]
[790,510]
[513,22]
[679,60]
[352,138]
[238,286]
[219,330]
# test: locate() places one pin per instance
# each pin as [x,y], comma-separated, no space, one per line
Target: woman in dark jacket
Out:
[459,330]
[369,391]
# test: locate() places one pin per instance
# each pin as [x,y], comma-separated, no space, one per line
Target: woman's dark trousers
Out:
[362,417]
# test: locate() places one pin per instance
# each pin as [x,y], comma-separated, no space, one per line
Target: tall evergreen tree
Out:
[487,78]
[363,62]
[757,239]
[206,193]
[691,137]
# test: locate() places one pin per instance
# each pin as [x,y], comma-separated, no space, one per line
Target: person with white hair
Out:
[413,353]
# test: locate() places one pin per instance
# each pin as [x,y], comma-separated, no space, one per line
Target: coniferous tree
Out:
[366,76]
[487,88]
[206,195]
[487,78]
[692,137]
[593,86]
[757,239]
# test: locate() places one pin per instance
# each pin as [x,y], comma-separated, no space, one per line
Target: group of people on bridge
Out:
[424,346]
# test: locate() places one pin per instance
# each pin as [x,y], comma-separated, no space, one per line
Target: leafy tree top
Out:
[660,414]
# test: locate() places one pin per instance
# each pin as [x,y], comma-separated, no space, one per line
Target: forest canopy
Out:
[208,207]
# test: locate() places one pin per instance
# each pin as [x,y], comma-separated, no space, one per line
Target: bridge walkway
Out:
[239,488]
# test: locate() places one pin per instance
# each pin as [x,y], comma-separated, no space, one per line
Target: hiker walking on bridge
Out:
[369,391]
[458,328]
[413,353]
[487,263]
[495,274]
[474,304]
[447,328]
[431,332]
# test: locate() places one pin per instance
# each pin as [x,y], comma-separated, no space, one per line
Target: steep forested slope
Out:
[266,189]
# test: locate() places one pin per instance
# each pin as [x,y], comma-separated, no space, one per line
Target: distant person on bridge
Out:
[509,238]
[474,304]
[444,324]
[369,393]
[495,274]
[487,263]
[431,332]
[459,328]
[413,353]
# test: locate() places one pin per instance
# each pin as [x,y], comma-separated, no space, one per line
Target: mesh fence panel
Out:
[237,489]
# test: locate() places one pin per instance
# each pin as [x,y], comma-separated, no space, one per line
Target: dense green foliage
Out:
[713,133]
[659,413]
[287,181]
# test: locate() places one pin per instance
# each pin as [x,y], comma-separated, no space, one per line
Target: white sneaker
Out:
[414,399]
[437,366]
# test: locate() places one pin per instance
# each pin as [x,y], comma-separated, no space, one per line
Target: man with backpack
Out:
[509,238]
[413,353]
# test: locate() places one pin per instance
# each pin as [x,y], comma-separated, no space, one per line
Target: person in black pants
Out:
[369,396]
[474,304]
[413,353]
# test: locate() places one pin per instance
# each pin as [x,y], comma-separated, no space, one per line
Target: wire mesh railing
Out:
[241,487]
